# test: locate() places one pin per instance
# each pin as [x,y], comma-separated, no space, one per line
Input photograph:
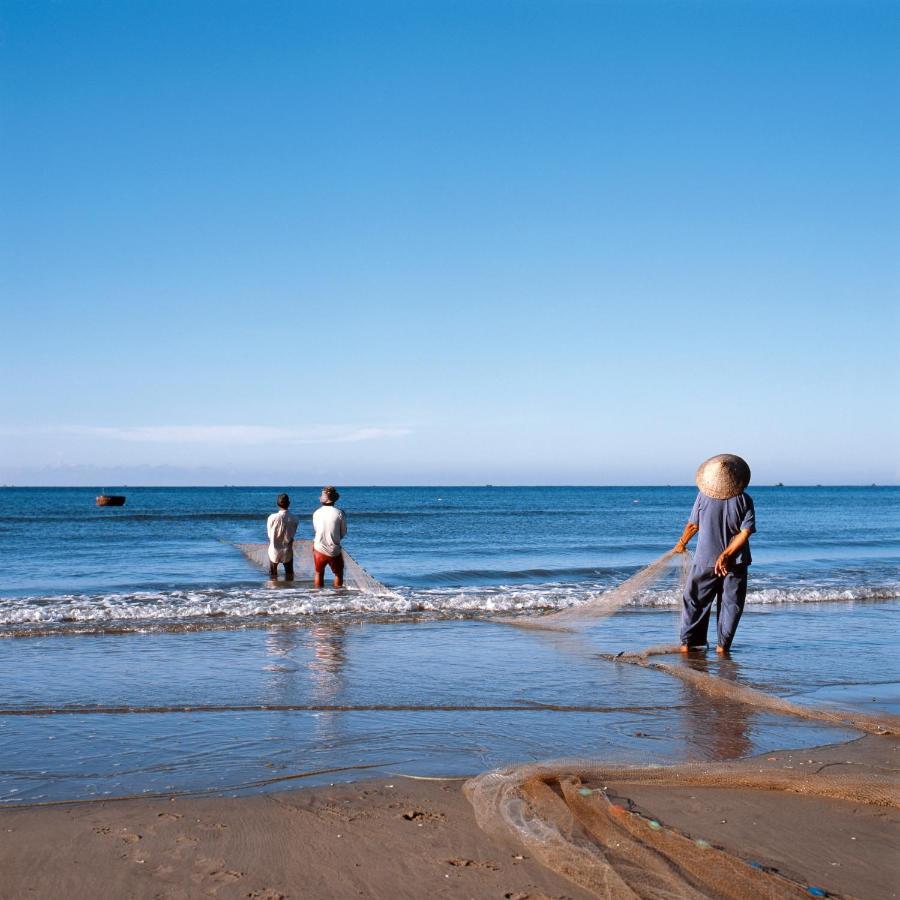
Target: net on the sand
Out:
[560,813]
[355,576]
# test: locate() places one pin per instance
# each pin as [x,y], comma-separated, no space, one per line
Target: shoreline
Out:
[156,714]
[413,837]
[260,621]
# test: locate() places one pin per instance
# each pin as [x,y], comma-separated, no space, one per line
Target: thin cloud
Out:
[245,435]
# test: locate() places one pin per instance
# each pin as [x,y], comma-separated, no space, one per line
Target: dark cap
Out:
[283,501]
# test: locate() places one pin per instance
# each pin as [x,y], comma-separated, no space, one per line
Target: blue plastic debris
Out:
[816,891]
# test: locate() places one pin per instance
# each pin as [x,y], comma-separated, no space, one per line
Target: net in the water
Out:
[355,576]
[609,602]
[560,812]
[613,600]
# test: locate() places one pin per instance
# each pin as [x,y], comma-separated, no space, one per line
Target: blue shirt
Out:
[719,521]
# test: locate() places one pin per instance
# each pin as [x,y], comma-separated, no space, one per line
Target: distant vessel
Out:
[780,484]
[111,500]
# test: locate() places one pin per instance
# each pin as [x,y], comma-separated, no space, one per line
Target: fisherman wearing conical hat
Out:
[724,517]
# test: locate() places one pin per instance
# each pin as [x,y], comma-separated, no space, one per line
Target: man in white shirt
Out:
[331,527]
[281,528]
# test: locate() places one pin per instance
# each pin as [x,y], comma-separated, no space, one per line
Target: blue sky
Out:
[448,242]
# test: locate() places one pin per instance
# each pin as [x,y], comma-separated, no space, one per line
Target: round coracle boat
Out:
[111,500]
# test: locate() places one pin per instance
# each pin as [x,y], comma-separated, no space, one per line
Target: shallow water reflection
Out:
[716,728]
[261,709]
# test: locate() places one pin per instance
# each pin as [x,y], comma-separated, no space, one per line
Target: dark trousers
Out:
[288,570]
[702,588]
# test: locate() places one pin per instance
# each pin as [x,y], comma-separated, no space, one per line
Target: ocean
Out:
[143,653]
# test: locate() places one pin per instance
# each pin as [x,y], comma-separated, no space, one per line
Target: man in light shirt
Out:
[281,528]
[331,527]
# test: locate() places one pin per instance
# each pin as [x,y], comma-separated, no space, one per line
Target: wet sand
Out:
[844,848]
[410,838]
[414,839]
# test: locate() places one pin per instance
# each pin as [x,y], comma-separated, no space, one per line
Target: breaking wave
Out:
[244,607]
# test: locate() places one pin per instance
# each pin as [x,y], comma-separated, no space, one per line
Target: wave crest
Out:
[240,606]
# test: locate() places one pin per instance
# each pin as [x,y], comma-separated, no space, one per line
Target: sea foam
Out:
[239,607]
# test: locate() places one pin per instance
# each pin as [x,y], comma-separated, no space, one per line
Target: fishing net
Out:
[714,686]
[355,576]
[605,604]
[561,813]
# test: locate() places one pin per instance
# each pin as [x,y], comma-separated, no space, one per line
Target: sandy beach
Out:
[419,838]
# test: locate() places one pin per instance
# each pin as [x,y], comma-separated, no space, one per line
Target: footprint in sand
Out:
[524,895]
[419,816]
[225,876]
[214,870]
[462,863]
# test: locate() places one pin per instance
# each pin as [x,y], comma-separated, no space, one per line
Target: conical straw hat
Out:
[724,476]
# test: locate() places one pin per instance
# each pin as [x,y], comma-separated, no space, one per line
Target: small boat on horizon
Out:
[111,500]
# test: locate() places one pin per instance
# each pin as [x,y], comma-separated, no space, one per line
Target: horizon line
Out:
[351,486]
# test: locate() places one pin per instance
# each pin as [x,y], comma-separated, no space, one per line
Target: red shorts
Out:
[336,563]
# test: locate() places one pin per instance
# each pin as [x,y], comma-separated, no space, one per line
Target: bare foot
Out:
[684,648]
[721,650]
